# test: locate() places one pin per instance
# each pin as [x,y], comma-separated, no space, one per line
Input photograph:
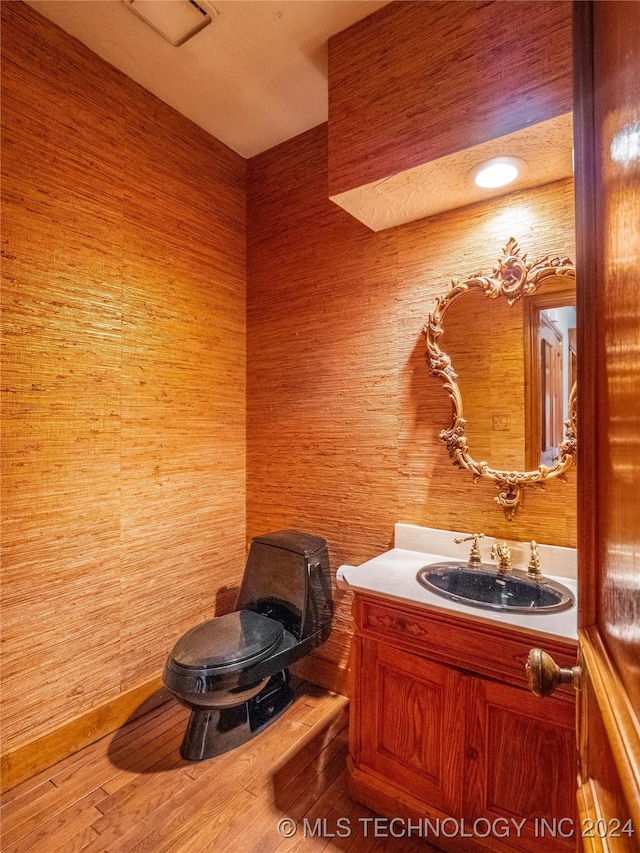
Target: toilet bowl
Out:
[232,671]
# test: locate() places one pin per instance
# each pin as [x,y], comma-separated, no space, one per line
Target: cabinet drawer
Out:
[489,650]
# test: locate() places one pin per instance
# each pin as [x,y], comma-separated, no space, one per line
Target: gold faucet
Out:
[475,559]
[502,551]
[533,567]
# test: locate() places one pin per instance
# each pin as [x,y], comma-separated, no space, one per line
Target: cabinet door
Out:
[521,764]
[411,722]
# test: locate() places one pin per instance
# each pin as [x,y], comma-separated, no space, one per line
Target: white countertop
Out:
[392,575]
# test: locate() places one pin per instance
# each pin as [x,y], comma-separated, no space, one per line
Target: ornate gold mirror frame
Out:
[512,278]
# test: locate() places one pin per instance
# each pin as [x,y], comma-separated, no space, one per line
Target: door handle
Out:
[544,674]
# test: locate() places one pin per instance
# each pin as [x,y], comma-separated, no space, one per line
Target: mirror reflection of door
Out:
[556,332]
[550,366]
[551,388]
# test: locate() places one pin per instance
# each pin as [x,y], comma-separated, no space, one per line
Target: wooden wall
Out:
[342,415]
[123,378]
[416,81]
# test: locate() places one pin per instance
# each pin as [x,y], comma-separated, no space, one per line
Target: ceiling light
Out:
[498,172]
[175,20]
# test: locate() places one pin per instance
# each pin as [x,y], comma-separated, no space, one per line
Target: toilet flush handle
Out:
[341,580]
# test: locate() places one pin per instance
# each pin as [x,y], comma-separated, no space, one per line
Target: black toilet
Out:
[232,670]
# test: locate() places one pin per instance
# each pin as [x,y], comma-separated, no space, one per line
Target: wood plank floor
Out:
[131,791]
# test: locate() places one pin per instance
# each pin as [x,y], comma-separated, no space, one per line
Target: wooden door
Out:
[607,130]
[411,726]
[520,759]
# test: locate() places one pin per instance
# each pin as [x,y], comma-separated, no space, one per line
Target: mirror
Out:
[507,348]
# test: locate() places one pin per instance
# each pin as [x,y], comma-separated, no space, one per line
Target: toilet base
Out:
[212,731]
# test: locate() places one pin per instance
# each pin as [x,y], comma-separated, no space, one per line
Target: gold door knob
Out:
[544,674]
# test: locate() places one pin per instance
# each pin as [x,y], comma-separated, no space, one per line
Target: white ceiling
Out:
[256,76]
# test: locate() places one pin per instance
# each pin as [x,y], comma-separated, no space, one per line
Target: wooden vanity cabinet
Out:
[443,725]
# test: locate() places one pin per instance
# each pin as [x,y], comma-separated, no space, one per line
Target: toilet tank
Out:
[287,578]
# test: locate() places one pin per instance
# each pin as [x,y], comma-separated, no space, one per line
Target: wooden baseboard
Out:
[317,670]
[27,760]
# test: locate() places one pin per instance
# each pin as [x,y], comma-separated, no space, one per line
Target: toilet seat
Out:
[232,672]
[227,643]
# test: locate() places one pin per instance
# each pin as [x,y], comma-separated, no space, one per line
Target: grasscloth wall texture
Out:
[127,349]
[342,415]
[322,380]
[416,81]
[123,378]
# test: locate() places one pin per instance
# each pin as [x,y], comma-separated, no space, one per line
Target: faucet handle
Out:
[533,566]
[475,559]
[502,551]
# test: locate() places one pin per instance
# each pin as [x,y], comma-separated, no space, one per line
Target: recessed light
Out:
[498,172]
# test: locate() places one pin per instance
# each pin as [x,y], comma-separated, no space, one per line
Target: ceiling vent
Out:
[175,20]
